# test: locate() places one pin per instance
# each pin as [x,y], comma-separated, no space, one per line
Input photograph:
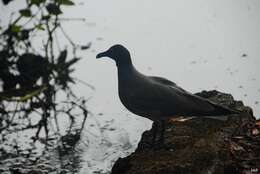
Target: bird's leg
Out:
[154,128]
[162,132]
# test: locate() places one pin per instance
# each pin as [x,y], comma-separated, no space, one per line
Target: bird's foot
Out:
[180,119]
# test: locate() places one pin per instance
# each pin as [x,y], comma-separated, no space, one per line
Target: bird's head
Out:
[118,53]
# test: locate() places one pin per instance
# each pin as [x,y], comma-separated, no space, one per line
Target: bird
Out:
[154,97]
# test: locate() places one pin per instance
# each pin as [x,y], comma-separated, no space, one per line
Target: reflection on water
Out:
[105,140]
[94,149]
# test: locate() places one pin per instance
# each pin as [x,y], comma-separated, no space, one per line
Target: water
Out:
[200,45]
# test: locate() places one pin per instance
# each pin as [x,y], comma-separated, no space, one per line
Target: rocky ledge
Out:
[201,145]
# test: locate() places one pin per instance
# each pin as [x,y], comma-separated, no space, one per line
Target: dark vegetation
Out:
[36,80]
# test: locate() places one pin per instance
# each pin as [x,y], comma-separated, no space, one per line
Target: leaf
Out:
[26,12]
[62,57]
[6,1]
[65,2]
[22,94]
[53,9]
[37,2]
[24,34]
[46,17]
[15,28]
[39,27]
[85,47]
[32,93]
[71,80]
[72,61]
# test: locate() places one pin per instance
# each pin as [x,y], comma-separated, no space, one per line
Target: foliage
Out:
[32,77]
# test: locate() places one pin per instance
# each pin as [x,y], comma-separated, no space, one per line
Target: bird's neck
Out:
[124,61]
[125,74]
[125,69]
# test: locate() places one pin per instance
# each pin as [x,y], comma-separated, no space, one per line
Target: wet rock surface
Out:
[201,145]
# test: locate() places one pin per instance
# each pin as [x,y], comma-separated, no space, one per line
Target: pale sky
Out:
[197,44]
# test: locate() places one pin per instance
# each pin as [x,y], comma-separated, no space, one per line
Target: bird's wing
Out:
[168,98]
[207,107]
[165,81]
[162,80]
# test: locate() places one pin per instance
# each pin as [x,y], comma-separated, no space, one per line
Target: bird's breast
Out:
[127,97]
[136,93]
[130,98]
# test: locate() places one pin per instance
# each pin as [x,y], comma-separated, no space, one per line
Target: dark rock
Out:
[200,145]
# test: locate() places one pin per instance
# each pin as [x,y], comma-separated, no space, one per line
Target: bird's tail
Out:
[220,110]
[221,118]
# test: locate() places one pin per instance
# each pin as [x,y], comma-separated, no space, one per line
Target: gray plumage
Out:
[156,97]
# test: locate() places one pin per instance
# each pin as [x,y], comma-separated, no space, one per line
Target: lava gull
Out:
[156,98]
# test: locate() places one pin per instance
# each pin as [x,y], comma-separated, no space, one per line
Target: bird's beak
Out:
[102,54]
